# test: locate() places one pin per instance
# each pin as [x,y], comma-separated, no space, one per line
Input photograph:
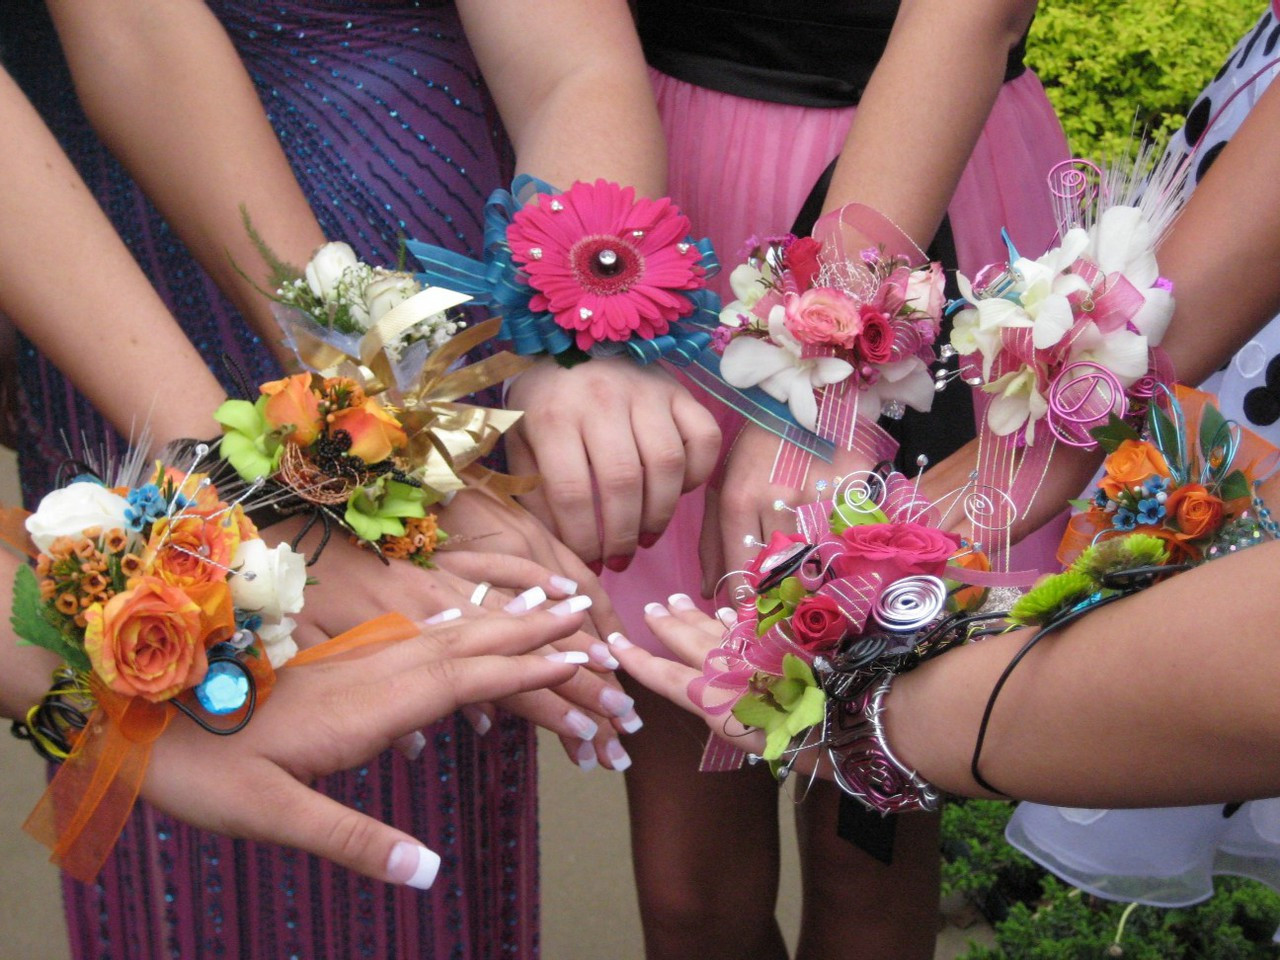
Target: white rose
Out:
[327,266]
[269,581]
[387,291]
[277,641]
[72,510]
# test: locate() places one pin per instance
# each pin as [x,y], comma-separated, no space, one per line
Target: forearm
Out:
[72,287]
[569,80]
[924,108]
[169,95]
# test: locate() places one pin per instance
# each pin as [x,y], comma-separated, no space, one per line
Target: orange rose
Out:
[146,642]
[192,549]
[969,599]
[1195,510]
[1132,462]
[375,433]
[293,408]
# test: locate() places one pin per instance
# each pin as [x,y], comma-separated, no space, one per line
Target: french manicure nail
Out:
[681,601]
[619,759]
[572,656]
[573,605]
[615,702]
[727,616]
[647,540]
[596,567]
[656,610]
[619,641]
[413,865]
[526,601]
[630,723]
[564,585]
[587,756]
[618,564]
[444,616]
[411,745]
[583,727]
[601,655]
[478,719]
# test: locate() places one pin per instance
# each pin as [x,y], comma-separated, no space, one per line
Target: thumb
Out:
[320,825]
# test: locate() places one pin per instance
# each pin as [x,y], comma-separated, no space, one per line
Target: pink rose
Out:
[875,342]
[926,292]
[823,316]
[897,549]
[818,625]
[801,258]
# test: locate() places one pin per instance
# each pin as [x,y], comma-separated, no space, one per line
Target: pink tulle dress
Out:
[750,130]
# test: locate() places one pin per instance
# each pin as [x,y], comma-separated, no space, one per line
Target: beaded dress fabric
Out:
[381,111]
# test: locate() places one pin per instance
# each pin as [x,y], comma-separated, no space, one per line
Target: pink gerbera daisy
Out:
[605,265]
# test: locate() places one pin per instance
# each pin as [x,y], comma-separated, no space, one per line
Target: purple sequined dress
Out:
[380,109]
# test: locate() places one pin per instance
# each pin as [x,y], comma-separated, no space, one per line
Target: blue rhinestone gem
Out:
[224,689]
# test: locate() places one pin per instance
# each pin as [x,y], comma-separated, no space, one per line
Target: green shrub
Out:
[1108,66]
[1039,918]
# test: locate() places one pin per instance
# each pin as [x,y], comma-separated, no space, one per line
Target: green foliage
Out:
[31,622]
[1109,66]
[1047,920]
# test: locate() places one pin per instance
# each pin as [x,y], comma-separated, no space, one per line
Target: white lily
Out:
[780,371]
[1017,401]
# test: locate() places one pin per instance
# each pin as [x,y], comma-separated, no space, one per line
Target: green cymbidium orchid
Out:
[785,708]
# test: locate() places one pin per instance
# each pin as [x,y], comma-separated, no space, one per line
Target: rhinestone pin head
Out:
[556,206]
[535,252]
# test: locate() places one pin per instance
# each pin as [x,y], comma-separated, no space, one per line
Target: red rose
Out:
[875,342]
[905,549]
[818,625]
[801,258]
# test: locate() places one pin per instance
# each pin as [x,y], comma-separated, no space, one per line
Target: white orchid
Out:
[906,381]
[749,283]
[780,371]
[1123,352]
[1017,401]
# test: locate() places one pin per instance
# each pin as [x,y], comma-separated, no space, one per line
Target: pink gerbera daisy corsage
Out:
[606,266]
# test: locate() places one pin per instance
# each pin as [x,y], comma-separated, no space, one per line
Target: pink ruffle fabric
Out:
[740,167]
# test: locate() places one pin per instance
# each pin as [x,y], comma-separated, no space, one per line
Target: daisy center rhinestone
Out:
[606,265]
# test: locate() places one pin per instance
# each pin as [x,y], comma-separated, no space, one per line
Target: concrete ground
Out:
[589,910]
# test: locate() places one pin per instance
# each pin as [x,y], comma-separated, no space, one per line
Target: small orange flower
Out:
[146,641]
[293,408]
[1195,510]
[375,433]
[396,548]
[1131,463]
[47,589]
[67,604]
[115,541]
[130,565]
[86,549]
[969,599]
[339,393]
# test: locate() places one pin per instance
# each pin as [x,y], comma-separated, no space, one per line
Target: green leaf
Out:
[1213,431]
[1234,485]
[1114,433]
[1165,436]
[1081,505]
[32,624]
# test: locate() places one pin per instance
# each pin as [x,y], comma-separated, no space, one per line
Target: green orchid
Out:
[855,510]
[247,444]
[786,707]
[379,509]
[778,604]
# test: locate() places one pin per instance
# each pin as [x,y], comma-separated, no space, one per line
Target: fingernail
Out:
[681,601]
[564,585]
[411,745]
[478,719]
[615,702]
[601,655]
[631,722]
[596,567]
[647,540]
[444,616]
[413,865]
[656,610]
[727,616]
[526,601]
[572,656]
[583,727]
[618,564]
[619,641]
[619,759]
[573,605]
[587,756]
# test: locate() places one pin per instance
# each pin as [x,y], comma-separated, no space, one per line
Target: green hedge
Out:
[1107,64]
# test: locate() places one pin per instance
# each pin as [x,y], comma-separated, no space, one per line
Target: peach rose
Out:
[375,433]
[823,315]
[146,642]
[293,408]
[192,549]
[1131,463]
[1195,510]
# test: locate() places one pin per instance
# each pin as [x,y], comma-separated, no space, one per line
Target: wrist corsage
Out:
[590,272]
[160,598]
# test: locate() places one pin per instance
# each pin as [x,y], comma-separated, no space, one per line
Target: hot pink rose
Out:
[823,316]
[801,258]
[779,543]
[875,342]
[818,625]
[900,549]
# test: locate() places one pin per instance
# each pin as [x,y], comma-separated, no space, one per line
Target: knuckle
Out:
[669,458]
[621,478]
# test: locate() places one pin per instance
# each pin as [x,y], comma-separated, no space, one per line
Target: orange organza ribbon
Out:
[1255,456]
[86,805]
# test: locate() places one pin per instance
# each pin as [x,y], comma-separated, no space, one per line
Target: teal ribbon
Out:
[498,284]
